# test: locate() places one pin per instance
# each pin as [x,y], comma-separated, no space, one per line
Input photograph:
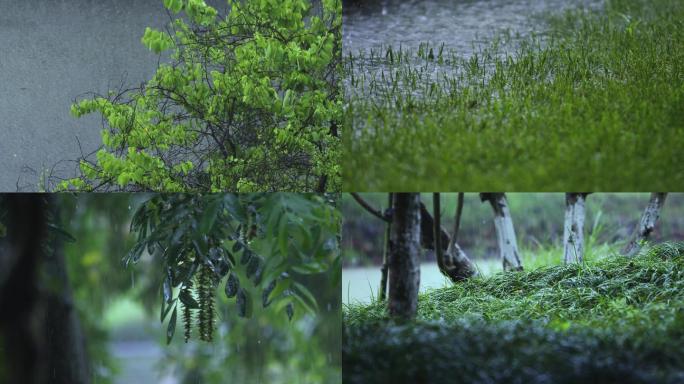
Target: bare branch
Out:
[369,208]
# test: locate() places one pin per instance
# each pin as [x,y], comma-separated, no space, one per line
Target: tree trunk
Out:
[386,252]
[505,233]
[20,307]
[452,261]
[67,359]
[40,328]
[646,224]
[404,263]
[573,229]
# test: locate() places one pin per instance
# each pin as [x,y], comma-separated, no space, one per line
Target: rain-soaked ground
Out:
[50,53]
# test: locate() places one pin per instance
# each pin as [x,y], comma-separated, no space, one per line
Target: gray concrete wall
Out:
[50,53]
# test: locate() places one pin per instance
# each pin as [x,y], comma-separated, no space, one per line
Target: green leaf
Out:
[171,329]
[187,299]
[174,6]
[244,303]
[265,294]
[253,266]
[232,285]
[303,291]
[209,216]
[246,256]
[167,292]
[165,309]
[278,290]
[283,235]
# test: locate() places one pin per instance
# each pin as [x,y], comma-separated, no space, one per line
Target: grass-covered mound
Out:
[613,320]
[576,108]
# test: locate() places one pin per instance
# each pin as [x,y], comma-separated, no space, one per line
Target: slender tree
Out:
[451,259]
[573,229]
[505,233]
[386,217]
[387,250]
[646,225]
[404,263]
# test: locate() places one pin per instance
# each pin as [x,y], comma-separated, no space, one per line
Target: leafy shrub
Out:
[249,102]
[613,320]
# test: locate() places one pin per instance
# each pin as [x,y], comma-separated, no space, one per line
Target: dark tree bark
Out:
[505,233]
[66,354]
[40,328]
[427,235]
[646,224]
[19,296]
[451,259]
[457,218]
[573,229]
[404,262]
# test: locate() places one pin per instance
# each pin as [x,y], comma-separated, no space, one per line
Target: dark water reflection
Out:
[460,24]
[51,52]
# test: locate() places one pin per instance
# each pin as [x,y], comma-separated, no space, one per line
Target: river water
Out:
[50,53]
[361,284]
[462,25]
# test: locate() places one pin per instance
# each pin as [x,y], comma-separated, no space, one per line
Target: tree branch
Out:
[369,208]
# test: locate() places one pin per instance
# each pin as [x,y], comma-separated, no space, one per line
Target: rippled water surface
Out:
[459,24]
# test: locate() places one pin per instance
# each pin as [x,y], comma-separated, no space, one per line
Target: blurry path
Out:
[139,362]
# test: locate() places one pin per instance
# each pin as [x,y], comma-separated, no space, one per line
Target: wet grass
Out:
[596,103]
[612,319]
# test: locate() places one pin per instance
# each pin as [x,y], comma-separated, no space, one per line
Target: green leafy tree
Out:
[249,102]
[250,247]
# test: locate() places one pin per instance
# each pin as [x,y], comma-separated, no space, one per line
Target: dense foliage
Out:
[576,108]
[253,245]
[267,349]
[248,102]
[613,320]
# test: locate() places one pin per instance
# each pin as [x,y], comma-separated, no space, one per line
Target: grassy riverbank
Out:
[596,103]
[610,320]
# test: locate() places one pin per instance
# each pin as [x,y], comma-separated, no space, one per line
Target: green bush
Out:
[612,320]
[249,102]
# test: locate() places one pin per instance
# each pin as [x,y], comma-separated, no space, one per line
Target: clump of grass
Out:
[596,104]
[606,320]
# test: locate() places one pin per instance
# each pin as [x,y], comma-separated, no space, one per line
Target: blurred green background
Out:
[119,309]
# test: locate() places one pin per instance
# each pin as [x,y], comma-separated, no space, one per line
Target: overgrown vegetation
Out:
[255,246]
[596,103]
[248,102]
[615,319]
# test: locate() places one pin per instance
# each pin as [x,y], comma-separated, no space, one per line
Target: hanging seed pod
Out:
[206,303]
[189,304]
